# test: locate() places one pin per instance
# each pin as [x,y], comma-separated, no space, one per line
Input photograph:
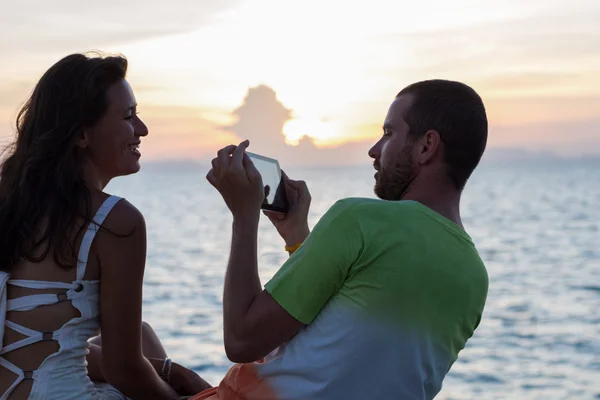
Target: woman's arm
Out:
[182,379]
[94,360]
[122,255]
[152,349]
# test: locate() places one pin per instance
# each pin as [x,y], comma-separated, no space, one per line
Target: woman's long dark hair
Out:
[42,191]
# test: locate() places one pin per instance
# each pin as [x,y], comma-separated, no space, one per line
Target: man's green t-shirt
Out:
[390,293]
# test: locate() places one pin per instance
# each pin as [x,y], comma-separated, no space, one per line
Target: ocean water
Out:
[536,226]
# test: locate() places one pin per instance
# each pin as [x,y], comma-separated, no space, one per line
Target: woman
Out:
[63,276]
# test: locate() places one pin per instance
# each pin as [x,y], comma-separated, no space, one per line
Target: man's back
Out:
[390,293]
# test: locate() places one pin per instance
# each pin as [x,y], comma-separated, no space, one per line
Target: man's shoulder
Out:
[353,204]
[360,207]
[346,212]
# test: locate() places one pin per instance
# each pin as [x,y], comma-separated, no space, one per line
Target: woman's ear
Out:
[83,138]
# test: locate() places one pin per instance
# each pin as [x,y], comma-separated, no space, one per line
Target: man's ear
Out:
[429,146]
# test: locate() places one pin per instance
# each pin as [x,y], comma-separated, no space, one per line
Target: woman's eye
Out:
[130,117]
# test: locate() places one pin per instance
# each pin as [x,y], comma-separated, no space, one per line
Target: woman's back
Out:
[60,319]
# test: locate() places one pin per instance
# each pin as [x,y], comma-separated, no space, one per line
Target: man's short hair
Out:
[457,113]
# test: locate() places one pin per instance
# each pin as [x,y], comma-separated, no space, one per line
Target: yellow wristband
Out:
[291,249]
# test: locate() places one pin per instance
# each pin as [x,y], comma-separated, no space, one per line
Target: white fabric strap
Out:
[17,371]
[27,303]
[21,329]
[40,284]
[4,277]
[90,234]
[32,337]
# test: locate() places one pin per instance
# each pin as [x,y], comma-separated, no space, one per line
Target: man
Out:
[382,295]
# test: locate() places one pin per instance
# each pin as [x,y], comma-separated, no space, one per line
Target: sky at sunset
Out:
[315,78]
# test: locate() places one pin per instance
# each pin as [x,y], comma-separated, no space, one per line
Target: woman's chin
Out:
[135,168]
[131,169]
[128,166]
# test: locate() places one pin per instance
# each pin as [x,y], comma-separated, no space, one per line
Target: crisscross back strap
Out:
[90,234]
[4,277]
[27,303]
[32,337]
[20,377]
[40,284]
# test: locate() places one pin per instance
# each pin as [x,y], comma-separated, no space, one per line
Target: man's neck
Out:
[441,197]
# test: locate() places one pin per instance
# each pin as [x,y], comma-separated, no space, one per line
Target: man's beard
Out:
[392,183]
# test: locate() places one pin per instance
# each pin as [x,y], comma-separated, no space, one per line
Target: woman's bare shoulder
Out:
[122,237]
[124,217]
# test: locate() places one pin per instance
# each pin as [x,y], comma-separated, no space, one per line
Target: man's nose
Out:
[374,151]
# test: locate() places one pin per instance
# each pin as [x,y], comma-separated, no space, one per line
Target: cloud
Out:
[526,82]
[548,49]
[64,25]
[550,33]
[261,118]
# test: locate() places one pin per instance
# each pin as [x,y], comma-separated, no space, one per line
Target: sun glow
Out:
[322,132]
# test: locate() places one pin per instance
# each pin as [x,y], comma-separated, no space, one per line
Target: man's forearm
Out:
[242,283]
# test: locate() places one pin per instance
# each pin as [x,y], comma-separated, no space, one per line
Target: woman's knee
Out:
[151,345]
[147,330]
